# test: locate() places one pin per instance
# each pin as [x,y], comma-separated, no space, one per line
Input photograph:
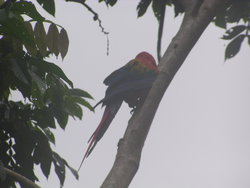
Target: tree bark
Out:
[21,179]
[197,17]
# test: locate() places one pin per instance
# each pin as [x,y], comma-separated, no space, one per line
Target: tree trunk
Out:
[198,14]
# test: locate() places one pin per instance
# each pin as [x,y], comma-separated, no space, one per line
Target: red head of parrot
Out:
[148,60]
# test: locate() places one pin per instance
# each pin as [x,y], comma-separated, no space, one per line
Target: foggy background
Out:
[200,136]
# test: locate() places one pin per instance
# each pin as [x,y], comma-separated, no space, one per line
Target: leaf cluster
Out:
[109,2]
[157,7]
[237,14]
[48,95]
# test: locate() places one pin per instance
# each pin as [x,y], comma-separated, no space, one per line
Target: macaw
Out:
[129,83]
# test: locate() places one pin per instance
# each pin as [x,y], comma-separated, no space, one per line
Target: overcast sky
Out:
[200,136]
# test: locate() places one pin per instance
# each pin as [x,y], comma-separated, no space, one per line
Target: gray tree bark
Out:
[19,178]
[198,15]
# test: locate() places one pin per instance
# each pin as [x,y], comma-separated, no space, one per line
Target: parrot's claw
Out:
[133,110]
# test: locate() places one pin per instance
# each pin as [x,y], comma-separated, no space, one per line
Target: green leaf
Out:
[61,117]
[36,95]
[28,8]
[41,85]
[72,107]
[40,37]
[237,11]
[80,93]
[234,47]
[248,39]
[49,135]
[1,2]
[3,15]
[142,7]
[158,8]
[16,28]
[54,96]
[18,71]
[48,95]
[43,153]
[63,43]
[111,2]
[82,102]
[44,118]
[30,48]
[234,31]
[11,45]
[62,162]
[46,166]
[46,163]
[178,9]
[53,39]
[54,69]
[73,171]
[48,5]
[220,20]
[59,164]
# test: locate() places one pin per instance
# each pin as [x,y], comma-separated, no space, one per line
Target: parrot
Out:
[129,83]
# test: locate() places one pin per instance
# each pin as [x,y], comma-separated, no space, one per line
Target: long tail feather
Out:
[108,116]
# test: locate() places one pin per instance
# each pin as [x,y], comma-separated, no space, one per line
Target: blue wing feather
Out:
[131,79]
[117,75]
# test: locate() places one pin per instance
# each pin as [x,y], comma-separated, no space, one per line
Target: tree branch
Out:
[20,178]
[95,17]
[127,159]
[160,30]
[189,4]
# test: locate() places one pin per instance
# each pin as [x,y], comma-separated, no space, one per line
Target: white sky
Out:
[200,136]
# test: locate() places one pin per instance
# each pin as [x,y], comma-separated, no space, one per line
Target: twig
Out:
[95,17]
[20,178]
[160,30]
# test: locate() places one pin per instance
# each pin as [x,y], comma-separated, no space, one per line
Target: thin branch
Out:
[95,17]
[160,30]
[188,4]
[21,179]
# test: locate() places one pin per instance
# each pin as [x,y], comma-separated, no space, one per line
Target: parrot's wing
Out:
[118,75]
[132,79]
[127,88]
[120,91]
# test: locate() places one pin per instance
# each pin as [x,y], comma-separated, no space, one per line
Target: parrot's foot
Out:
[133,110]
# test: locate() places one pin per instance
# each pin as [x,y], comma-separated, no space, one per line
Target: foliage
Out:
[109,2]
[237,13]
[49,97]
